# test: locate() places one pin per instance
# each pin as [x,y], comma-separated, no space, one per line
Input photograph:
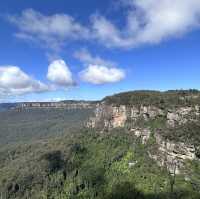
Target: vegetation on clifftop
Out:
[161,99]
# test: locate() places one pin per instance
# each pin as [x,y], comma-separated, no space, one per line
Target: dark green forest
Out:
[33,124]
[90,165]
[167,99]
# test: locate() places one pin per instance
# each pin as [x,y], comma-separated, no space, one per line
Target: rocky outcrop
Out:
[110,116]
[172,155]
[166,153]
[182,115]
[144,134]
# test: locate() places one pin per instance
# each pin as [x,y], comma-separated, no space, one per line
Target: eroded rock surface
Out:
[170,154]
[110,116]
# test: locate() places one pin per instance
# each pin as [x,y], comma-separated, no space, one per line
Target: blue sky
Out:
[60,49]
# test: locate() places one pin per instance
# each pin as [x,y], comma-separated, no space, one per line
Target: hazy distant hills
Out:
[28,121]
[69,104]
[7,106]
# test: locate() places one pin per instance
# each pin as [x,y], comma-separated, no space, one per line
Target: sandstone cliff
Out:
[167,152]
[111,116]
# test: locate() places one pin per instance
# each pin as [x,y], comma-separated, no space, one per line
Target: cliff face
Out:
[172,154]
[65,105]
[111,116]
[167,152]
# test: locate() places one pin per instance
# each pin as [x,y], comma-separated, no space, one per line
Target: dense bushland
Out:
[18,126]
[89,165]
[161,99]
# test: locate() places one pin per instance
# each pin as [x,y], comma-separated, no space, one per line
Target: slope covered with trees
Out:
[90,165]
[27,125]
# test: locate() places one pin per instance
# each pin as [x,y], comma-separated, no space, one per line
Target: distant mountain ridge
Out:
[145,97]
[62,104]
[7,106]
[69,104]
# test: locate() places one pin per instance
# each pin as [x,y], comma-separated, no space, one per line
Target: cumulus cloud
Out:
[85,57]
[98,70]
[148,22]
[59,74]
[52,30]
[99,74]
[13,81]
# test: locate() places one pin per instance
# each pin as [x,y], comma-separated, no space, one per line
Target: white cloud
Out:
[149,22]
[13,81]
[107,33]
[59,74]
[84,56]
[98,70]
[98,74]
[52,30]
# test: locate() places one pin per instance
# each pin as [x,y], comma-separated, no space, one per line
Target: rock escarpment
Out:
[166,153]
[147,122]
[111,116]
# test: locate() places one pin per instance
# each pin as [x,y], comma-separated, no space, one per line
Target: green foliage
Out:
[53,161]
[160,99]
[33,124]
[87,165]
[154,124]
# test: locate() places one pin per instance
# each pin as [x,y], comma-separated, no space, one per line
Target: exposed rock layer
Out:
[168,153]
[109,116]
